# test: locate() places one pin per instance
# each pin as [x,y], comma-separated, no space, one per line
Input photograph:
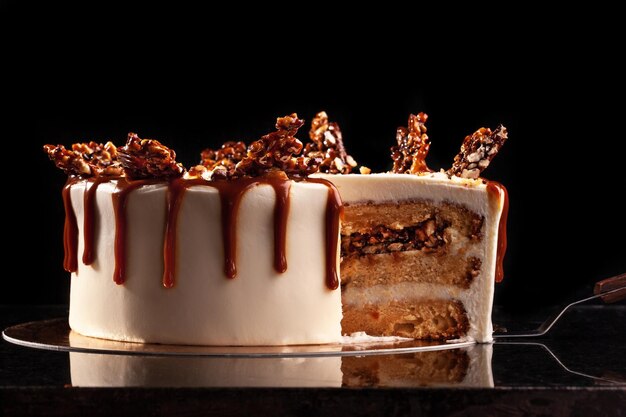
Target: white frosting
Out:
[436,187]
[258,307]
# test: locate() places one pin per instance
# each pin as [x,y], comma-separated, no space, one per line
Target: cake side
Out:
[204,306]
[418,255]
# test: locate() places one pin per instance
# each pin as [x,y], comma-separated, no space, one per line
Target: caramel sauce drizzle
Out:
[334,212]
[230,199]
[120,201]
[88,220]
[496,189]
[70,229]
[231,193]
[281,213]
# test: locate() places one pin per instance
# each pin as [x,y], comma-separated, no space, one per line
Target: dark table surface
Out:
[579,368]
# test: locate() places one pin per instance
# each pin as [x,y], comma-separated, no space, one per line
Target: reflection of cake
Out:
[244,249]
[463,367]
[97,370]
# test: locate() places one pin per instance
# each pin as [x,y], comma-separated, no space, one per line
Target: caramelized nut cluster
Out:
[409,155]
[148,158]
[227,156]
[86,159]
[477,152]
[327,145]
[277,151]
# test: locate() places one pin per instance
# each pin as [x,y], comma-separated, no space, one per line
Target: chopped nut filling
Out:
[427,235]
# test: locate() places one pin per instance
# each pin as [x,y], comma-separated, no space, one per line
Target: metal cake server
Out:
[610,290]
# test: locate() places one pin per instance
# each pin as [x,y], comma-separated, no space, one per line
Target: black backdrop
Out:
[74,74]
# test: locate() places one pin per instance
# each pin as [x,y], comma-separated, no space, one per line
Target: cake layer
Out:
[391,268]
[419,318]
[259,306]
[408,239]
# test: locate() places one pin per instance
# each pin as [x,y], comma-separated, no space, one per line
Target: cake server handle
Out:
[610,290]
[609,284]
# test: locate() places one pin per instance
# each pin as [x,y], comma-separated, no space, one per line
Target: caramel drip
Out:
[334,212]
[230,198]
[88,219]
[70,229]
[281,214]
[497,189]
[174,200]
[120,199]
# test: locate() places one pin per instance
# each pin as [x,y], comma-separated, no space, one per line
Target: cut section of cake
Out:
[419,254]
[420,250]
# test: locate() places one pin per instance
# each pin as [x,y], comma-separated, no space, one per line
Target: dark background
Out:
[74,73]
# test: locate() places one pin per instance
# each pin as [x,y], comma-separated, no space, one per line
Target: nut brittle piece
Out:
[148,158]
[477,151]
[86,159]
[409,155]
[327,145]
[227,156]
[275,151]
[103,159]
